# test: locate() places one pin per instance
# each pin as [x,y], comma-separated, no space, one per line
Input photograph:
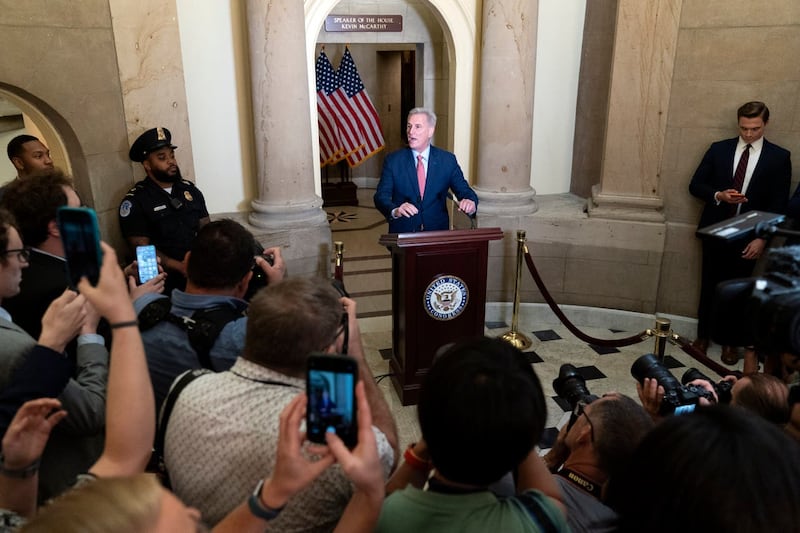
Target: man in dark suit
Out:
[34,203]
[746,173]
[413,189]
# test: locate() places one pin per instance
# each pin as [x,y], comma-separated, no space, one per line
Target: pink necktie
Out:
[421,176]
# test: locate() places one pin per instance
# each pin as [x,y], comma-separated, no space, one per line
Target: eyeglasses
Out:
[580,409]
[23,254]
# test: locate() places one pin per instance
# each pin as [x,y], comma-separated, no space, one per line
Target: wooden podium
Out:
[438,297]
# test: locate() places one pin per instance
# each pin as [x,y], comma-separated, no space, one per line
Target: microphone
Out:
[455,200]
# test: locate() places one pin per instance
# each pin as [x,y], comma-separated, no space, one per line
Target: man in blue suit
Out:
[413,189]
[746,173]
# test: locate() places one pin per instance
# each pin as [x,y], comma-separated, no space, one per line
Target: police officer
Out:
[163,209]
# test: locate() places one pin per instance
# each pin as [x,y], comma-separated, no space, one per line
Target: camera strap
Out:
[581,482]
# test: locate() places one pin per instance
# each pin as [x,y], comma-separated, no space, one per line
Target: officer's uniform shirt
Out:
[170,221]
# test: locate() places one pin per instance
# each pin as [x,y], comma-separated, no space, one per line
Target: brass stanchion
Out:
[338,265]
[662,334]
[514,337]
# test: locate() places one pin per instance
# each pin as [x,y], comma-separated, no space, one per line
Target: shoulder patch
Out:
[125,208]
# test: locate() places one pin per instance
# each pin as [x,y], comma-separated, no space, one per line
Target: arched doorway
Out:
[454,101]
[26,114]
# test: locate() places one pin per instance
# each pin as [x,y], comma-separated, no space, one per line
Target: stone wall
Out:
[59,57]
[729,52]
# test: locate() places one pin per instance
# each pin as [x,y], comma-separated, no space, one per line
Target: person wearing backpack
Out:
[204,326]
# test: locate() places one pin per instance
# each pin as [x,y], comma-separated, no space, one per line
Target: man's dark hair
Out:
[754,110]
[289,320]
[619,424]
[693,472]
[34,202]
[481,411]
[6,221]
[14,148]
[223,253]
[766,396]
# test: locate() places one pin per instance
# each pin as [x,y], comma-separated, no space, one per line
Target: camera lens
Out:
[648,366]
[571,386]
[693,374]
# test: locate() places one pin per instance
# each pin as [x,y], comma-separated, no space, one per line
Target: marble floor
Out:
[367,277]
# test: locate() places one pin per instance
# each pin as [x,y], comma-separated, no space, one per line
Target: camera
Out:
[259,279]
[762,311]
[571,386]
[678,399]
[722,388]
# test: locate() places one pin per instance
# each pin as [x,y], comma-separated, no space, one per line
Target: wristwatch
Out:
[258,508]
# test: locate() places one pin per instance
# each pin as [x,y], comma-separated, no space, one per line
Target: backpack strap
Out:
[202,327]
[175,390]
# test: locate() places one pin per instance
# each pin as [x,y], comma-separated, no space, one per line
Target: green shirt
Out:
[415,510]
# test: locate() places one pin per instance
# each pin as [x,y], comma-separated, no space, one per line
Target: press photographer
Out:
[661,393]
[220,267]
[598,440]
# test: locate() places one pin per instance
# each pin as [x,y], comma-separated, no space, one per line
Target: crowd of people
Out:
[84,375]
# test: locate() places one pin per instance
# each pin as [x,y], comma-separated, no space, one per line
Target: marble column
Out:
[282,130]
[641,80]
[508,65]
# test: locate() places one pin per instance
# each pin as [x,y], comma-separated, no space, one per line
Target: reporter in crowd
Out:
[77,443]
[589,450]
[115,495]
[481,411]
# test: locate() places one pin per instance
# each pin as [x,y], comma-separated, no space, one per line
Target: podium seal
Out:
[446,297]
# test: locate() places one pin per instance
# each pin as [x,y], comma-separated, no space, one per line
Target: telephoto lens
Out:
[678,399]
[571,386]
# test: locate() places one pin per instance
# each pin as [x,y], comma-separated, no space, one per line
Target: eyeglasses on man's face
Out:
[23,254]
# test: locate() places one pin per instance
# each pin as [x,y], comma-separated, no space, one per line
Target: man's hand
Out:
[92,319]
[651,394]
[467,206]
[277,270]
[63,320]
[110,296]
[731,196]
[707,386]
[293,471]
[27,435]
[406,209]
[754,249]
[362,465]
[153,285]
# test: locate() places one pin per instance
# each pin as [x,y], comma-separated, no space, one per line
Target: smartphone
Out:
[147,262]
[331,388]
[80,236]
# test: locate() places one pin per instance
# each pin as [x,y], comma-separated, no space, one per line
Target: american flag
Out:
[345,137]
[354,102]
[330,143]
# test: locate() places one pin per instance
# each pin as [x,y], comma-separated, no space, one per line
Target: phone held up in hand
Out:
[147,262]
[331,385]
[80,236]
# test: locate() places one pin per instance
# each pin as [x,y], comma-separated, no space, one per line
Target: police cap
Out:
[150,141]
